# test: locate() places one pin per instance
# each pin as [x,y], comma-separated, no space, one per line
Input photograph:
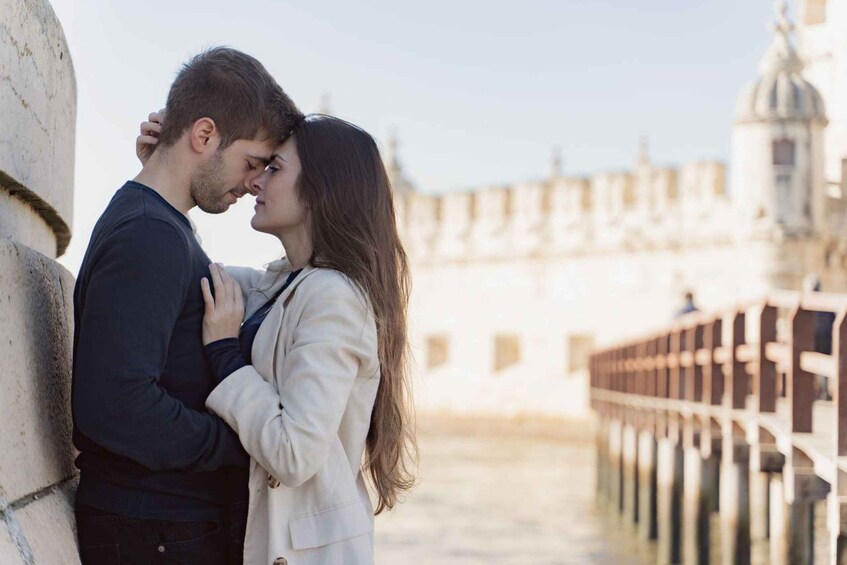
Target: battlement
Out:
[648,206]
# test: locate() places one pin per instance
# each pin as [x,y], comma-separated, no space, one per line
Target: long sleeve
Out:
[133,298]
[290,431]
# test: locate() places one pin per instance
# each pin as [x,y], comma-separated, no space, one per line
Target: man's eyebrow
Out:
[261,158]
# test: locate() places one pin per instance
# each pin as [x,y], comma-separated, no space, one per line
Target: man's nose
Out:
[250,184]
[255,185]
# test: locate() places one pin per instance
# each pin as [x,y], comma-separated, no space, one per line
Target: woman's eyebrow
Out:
[280,157]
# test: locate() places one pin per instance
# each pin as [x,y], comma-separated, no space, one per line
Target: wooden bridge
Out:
[715,435]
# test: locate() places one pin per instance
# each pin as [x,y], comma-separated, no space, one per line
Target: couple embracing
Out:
[232,415]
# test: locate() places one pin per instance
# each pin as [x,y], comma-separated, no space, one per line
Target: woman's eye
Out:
[272,169]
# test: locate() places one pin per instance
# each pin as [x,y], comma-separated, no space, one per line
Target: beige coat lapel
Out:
[267,336]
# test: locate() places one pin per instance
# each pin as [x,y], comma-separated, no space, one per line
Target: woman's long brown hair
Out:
[344,185]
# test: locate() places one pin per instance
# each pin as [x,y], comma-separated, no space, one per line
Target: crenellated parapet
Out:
[648,207]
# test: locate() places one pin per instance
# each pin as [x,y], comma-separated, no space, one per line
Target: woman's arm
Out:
[290,431]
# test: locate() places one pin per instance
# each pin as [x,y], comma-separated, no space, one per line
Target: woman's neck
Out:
[298,248]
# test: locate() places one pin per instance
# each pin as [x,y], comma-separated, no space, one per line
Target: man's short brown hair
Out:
[235,91]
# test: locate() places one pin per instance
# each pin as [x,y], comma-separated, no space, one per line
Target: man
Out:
[153,462]
[688,305]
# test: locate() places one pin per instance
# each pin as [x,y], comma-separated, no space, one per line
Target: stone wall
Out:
[37,124]
[649,207]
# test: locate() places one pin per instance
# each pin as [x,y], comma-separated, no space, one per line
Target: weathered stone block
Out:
[9,552]
[35,348]
[49,527]
[38,113]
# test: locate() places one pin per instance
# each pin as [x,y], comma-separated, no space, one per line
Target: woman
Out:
[314,382]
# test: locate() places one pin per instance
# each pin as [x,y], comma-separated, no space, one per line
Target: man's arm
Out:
[134,295]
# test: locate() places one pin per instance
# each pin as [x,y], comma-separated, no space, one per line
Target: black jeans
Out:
[110,539]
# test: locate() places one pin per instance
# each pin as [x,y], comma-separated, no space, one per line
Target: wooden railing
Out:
[724,416]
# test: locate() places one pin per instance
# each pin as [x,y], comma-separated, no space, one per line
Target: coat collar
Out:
[275,276]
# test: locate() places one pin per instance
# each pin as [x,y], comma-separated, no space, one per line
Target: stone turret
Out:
[399,182]
[38,114]
[778,186]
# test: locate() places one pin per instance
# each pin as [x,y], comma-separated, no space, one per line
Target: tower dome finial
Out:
[556,163]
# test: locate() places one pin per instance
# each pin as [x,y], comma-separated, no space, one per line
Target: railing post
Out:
[669,465]
[801,484]
[734,501]
[765,459]
[647,451]
[799,383]
[838,496]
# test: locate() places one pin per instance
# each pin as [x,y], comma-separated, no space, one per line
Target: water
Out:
[491,493]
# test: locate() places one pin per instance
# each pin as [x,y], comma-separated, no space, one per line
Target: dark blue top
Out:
[225,357]
[148,446]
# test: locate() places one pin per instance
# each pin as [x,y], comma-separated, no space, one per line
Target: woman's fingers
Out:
[233,290]
[151,128]
[221,289]
[207,295]
[147,140]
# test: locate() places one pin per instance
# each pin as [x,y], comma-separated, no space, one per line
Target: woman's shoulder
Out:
[334,285]
[323,279]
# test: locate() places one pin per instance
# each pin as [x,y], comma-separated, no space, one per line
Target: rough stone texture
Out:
[38,118]
[9,554]
[48,524]
[35,346]
[18,217]
[38,113]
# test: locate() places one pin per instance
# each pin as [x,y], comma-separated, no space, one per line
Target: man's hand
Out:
[225,311]
[145,144]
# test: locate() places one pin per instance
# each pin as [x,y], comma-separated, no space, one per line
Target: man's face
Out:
[227,175]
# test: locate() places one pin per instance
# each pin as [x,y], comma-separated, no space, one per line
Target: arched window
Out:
[783,152]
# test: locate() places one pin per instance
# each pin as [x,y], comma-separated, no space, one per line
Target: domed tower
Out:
[777,145]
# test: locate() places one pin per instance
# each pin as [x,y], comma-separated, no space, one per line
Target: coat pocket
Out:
[330,526]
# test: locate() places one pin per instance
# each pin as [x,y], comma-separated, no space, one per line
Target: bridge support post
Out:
[629,456]
[778,522]
[700,483]
[615,466]
[838,529]
[735,502]
[647,526]
[792,508]
[669,500]
[765,461]
[602,462]
[615,488]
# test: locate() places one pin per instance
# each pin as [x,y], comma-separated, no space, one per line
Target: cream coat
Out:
[302,411]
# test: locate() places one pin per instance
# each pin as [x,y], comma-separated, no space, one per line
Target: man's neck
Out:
[172,183]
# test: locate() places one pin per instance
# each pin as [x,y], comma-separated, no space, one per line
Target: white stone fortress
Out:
[513,285]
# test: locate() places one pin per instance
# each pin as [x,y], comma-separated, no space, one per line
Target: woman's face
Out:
[278,208]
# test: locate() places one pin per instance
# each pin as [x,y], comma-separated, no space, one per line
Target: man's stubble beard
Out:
[207,188]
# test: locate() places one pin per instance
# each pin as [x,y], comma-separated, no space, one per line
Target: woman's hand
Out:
[145,144]
[225,311]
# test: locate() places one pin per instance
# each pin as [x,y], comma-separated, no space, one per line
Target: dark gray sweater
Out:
[149,448]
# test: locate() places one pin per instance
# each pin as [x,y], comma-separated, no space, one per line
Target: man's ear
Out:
[204,135]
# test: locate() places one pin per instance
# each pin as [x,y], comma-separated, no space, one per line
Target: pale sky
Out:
[478,92]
